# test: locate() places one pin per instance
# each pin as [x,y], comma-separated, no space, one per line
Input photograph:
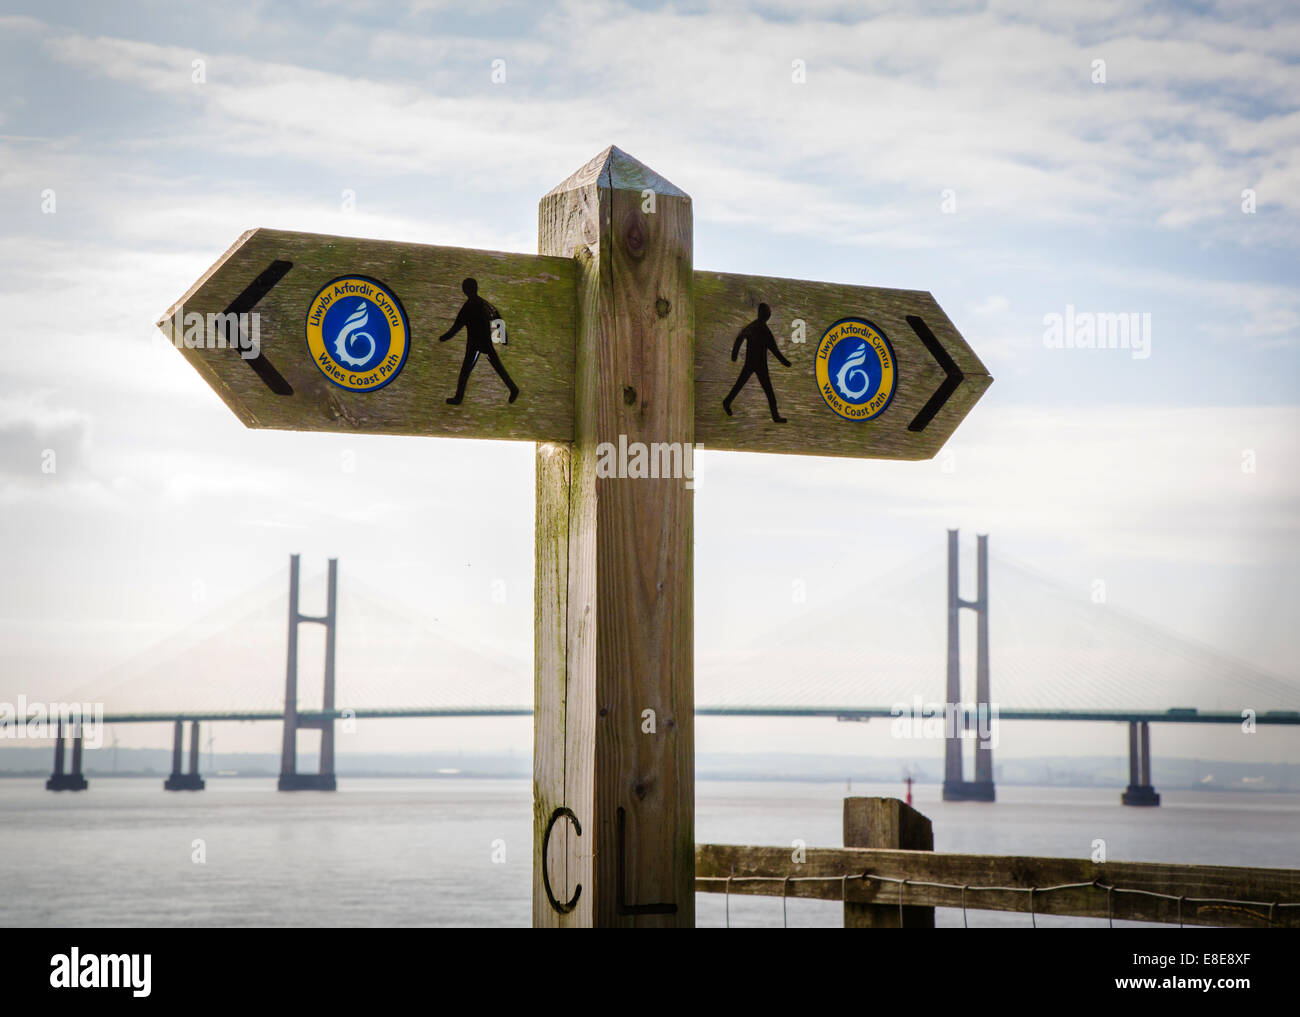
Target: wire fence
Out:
[1272,906]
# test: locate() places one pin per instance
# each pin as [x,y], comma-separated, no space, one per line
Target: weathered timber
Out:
[556,843]
[614,577]
[725,303]
[601,329]
[714,862]
[534,295]
[886,823]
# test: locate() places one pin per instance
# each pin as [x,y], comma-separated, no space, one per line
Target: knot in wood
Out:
[634,236]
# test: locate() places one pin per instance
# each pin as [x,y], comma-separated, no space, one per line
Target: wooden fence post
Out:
[886,823]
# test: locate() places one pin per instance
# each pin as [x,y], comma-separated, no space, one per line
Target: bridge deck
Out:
[1175,716]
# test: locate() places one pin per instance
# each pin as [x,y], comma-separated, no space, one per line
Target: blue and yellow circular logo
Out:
[357,333]
[856,369]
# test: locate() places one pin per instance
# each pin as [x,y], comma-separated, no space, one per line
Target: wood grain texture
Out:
[725,303]
[886,823]
[534,294]
[627,617]
[551,580]
[714,862]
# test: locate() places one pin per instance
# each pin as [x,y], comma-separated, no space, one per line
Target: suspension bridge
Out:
[1043,651]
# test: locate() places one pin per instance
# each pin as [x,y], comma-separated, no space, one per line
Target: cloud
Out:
[20,23]
[1267,314]
[40,443]
[991,305]
[1207,484]
[998,106]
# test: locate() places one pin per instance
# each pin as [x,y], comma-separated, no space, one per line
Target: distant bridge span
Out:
[1174,716]
[1060,651]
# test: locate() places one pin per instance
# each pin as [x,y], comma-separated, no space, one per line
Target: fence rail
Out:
[901,887]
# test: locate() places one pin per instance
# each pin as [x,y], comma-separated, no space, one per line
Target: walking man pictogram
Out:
[759,341]
[475,317]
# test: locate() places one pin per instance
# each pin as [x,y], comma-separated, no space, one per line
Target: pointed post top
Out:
[615,170]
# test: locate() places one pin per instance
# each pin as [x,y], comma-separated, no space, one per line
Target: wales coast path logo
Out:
[856,369]
[357,333]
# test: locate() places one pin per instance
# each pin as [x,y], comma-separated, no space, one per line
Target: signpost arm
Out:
[614,749]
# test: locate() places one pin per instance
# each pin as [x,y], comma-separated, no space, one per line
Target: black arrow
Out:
[244,303]
[954,376]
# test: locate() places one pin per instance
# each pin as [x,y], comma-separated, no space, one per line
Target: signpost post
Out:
[612,353]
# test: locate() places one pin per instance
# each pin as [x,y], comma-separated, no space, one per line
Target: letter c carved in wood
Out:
[563,812]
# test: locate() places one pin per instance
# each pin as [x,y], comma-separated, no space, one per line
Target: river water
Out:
[420,852]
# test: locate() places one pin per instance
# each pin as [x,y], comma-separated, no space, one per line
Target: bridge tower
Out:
[179,780]
[60,781]
[955,787]
[1139,790]
[290,778]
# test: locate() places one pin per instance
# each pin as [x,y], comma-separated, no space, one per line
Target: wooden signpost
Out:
[607,339]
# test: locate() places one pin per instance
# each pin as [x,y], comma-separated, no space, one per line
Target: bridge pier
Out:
[60,781]
[290,778]
[955,787]
[179,780]
[1139,790]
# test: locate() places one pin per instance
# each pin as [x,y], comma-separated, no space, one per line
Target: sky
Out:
[1015,159]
